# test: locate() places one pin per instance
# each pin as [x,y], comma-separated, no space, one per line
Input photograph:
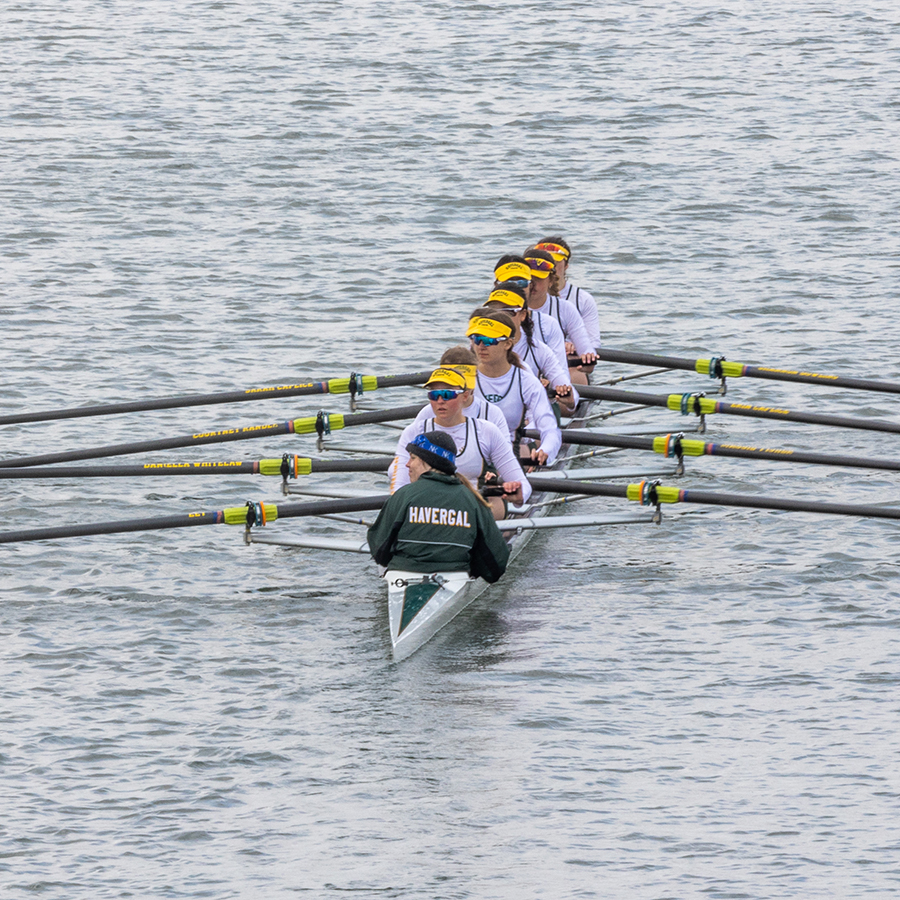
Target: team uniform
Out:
[479,444]
[549,331]
[587,309]
[479,408]
[570,321]
[543,363]
[437,524]
[522,399]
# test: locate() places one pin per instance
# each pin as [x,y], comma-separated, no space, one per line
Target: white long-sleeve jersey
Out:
[479,443]
[549,331]
[523,400]
[543,363]
[587,309]
[570,321]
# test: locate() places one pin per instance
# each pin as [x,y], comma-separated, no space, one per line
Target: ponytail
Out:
[553,282]
[513,358]
[466,483]
[527,326]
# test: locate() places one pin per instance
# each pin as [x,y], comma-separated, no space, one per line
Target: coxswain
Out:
[481,447]
[438,522]
[509,297]
[571,293]
[502,379]
[542,298]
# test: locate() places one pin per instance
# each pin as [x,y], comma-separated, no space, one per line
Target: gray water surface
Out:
[217,195]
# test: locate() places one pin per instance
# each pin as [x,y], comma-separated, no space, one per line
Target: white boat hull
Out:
[415,618]
[409,632]
[420,604]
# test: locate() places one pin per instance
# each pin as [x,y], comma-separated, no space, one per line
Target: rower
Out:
[509,297]
[463,360]
[545,327]
[438,522]
[502,379]
[479,445]
[542,286]
[571,293]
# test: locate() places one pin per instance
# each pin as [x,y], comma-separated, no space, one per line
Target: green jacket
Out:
[437,524]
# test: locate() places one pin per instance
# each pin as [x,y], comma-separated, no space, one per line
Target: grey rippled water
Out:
[217,195]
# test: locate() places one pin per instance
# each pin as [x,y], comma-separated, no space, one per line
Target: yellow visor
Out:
[512,270]
[540,268]
[490,328]
[557,251]
[467,372]
[507,298]
[452,377]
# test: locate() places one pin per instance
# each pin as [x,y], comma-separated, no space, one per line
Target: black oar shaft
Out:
[644,359]
[372,464]
[213,437]
[788,505]
[591,439]
[122,526]
[738,370]
[151,469]
[802,456]
[252,467]
[193,440]
[677,495]
[595,488]
[667,447]
[332,386]
[232,516]
[707,406]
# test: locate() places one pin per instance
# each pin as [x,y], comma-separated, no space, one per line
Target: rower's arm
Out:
[544,420]
[505,462]
[576,332]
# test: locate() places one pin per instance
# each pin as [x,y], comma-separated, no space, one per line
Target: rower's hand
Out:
[570,348]
[565,398]
[566,403]
[539,456]
[588,359]
[512,491]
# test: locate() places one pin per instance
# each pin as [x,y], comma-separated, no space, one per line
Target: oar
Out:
[250,514]
[650,494]
[718,367]
[288,466]
[354,385]
[704,406]
[674,446]
[323,423]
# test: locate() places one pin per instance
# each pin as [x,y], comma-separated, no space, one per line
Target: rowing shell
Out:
[420,604]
